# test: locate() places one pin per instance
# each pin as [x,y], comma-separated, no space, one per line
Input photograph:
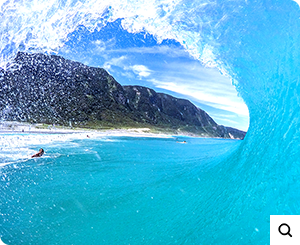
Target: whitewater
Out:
[225,199]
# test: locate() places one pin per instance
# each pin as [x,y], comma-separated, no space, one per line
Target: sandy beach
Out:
[26,128]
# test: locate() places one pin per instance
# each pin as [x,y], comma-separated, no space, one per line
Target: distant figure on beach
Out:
[39,154]
[88,136]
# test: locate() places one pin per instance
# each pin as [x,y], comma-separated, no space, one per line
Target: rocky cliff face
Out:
[160,108]
[50,89]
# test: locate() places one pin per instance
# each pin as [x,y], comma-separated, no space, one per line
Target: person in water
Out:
[39,154]
[182,142]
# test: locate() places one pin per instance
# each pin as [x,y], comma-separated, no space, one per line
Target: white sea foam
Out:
[19,147]
[16,147]
[44,25]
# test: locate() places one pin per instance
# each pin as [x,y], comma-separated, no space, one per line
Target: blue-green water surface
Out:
[114,190]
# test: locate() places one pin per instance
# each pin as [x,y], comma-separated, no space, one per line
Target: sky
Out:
[138,59]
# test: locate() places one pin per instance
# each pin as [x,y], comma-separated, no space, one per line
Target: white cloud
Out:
[162,49]
[206,94]
[141,70]
[129,71]
[216,95]
[205,85]
[102,46]
[115,62]
[108,47]
[231,119]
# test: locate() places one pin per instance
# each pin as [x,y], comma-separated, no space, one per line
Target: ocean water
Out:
[256,43]
[112,190]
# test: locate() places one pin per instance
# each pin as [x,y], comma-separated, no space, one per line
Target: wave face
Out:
[256,42]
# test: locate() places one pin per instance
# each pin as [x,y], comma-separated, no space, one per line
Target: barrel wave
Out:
[256,43]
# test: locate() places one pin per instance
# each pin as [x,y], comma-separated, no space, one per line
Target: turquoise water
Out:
[114,190]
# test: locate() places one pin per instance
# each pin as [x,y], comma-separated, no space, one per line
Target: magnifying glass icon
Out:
[287,230]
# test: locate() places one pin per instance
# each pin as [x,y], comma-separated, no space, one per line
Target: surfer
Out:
[39,154]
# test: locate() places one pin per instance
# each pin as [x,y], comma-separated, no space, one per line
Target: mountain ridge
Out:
[51,89]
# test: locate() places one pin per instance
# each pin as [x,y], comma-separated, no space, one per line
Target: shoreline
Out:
[12,127]
[97,133]
[26,128]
